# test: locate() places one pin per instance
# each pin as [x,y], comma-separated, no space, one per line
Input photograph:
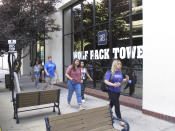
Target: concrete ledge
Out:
[158,115]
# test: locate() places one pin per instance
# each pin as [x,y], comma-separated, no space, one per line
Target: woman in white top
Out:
[36,73]
[84,73]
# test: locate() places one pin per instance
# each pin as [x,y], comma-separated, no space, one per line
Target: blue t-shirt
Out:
[50,67]
[117,77]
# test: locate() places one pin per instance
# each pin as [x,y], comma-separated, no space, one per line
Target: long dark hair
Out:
[73,63]
[83,63]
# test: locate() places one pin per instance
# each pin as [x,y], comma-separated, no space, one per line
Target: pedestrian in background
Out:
[73,74]
[41,68]
[114,79]
[131,84]
[36,73]
[31,71]
[90,69]
[50,70]
[84,75]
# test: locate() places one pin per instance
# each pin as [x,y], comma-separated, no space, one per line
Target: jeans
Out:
[83,88]
[74,86]
[37,75]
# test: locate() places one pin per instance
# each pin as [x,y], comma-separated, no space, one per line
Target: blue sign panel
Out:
[102,37]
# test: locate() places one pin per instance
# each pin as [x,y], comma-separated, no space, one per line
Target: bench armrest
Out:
[47,124]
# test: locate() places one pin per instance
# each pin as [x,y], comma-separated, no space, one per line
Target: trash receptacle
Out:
[7,81]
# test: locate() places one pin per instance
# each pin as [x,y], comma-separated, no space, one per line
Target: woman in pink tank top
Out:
[73,74]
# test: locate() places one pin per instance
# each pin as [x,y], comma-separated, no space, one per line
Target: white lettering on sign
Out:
[79,55]
[86,55]
[101,56]
[102,37]
[122,52]
[106,53]
[96,55]
[75,55]
[12,42]
[130,52]
[133,51]
[91,54]
[139,52]
[115,52]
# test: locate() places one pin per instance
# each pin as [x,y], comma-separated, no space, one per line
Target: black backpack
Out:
[104,87]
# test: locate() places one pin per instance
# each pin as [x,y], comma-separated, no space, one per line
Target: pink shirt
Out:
[76,75]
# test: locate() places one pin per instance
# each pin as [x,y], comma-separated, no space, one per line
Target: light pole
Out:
[11,51]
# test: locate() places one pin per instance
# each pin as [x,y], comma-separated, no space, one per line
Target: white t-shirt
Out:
[83,73]
[37,68]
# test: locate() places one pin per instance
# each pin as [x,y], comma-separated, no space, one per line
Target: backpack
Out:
[104,87]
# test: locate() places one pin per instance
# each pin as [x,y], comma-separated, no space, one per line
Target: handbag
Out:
[57,81]
[104,87]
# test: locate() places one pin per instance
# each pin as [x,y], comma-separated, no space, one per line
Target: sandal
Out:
[122,124]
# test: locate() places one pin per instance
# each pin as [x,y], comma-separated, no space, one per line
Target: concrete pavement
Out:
[34,120]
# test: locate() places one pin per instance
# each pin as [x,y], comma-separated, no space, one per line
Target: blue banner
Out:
[102,37]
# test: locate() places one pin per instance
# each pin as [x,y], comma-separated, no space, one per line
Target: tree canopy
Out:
[26,21]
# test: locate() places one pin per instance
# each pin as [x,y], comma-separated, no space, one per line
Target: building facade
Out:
[120,25]
[99,31]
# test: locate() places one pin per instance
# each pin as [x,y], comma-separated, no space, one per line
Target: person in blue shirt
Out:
[36,73]
[50,70]
[114,79]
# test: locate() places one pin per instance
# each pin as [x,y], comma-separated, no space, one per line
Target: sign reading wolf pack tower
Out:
[130,52]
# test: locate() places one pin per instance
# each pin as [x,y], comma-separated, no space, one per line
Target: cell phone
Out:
[130,81]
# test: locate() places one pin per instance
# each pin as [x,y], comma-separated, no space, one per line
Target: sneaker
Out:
[83,100]
[69,105]
[82,108]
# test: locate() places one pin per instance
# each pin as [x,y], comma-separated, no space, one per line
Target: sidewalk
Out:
[34,120]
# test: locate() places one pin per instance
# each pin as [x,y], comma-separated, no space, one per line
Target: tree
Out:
[26,21]
[119,22]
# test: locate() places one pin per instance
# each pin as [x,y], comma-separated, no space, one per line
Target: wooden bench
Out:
[36,98]
[97,119]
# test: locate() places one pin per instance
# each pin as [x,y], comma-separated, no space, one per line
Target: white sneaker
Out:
[82,108]
[69,105]
[83,100]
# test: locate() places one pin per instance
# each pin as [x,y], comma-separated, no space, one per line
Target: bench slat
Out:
[112,130]
[99,123]
[74,114]
[103,128]
[82,115]
[97,119]
[49,96]
[81,119]
[87,118]
[79,127]
[27,99]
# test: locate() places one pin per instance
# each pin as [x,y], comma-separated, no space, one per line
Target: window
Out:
[123,30]
[102,11]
